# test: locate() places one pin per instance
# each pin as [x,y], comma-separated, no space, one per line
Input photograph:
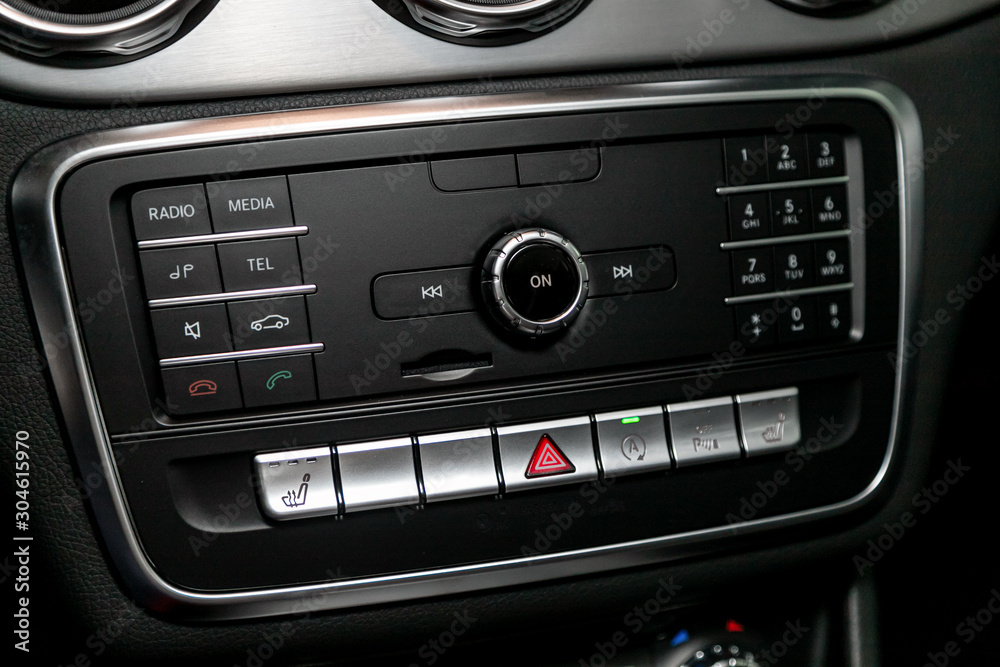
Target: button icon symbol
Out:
[280,375]
[297,498]
[621,271]
[179,272]
[192,330]
[432,292]
[775,432]
[634,448]
[547,460]
[270,322]
[202,388]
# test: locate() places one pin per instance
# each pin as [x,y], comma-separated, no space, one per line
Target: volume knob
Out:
[535,281]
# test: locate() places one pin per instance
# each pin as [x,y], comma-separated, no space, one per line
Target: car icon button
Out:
[263,323]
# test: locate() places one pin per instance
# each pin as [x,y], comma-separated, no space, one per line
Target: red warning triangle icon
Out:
[548,459]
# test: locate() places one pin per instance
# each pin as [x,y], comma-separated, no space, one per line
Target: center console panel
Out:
[416,348]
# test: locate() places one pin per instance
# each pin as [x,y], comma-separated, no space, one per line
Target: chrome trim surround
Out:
[458,18]
[242,354]
[127,36]
[33,202]
[778,240]
[805,291]
[784,185]
[223,237]
[242,295]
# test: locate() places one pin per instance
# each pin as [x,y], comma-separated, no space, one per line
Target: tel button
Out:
[259,264]
[170,212]
[201,388]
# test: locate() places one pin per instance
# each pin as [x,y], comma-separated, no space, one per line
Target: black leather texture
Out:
[81,608]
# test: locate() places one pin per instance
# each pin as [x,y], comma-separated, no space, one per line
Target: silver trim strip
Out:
[786,185]
[805,291]
[242,295]
[222,237]
[242,354]
[779,240]
[33,201]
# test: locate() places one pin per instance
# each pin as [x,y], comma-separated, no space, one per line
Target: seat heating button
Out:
[769,420]
[297,484]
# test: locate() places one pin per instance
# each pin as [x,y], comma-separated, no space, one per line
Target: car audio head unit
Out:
[385,351]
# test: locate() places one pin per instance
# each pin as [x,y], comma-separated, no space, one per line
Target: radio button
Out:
[256,203]
[547,454]
[769,420]
[794,267]
[297,484]
[170,212]
[746,161]
[184,332]
[458,465]
[201,388]
[632,441]
[423,293]
[753,271]
[703,431]
[790,212]
[749,217]
[180,272]
[376,475]
[268,322]
[631,271]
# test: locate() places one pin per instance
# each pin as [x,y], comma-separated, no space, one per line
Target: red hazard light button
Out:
[548,459]
[551,453]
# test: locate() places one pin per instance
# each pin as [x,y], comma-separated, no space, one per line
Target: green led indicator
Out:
[630,420]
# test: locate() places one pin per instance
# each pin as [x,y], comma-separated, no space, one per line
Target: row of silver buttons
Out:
[375,475]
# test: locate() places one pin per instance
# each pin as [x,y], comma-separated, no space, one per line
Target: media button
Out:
[256,203]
